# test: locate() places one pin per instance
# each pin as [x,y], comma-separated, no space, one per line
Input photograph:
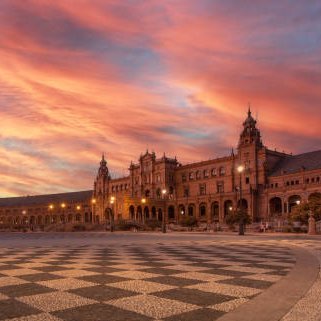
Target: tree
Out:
[240,216]
[300,213]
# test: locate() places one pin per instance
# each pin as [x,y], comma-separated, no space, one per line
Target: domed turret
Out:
[250,134]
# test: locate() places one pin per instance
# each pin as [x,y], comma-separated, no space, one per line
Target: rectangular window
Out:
[202,188]
[247,180]
[186,192]
[220,187]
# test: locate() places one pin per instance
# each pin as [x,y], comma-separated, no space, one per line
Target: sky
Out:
[79,78]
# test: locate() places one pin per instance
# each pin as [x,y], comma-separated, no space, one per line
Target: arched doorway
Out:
[154,213]
[191,209]
[294,200]
[39,220]
[275,206]
[139,213]
[107,214]
[215,212]
[202,210]
[181,209]
[171,212]
[160,215]
[146,213]
[47,219]
[132,212]
[228,207]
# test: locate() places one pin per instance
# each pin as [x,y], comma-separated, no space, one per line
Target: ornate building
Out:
[264,182]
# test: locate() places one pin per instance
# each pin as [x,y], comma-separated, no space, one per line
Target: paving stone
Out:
[103,293]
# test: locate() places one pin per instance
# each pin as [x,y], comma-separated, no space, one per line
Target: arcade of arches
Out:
[207,212]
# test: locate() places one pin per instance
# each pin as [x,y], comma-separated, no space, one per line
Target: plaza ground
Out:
[154,276]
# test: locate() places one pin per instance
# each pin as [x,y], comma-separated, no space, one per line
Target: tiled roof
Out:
[46,199]
[292,164]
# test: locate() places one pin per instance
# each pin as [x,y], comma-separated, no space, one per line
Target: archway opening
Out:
[215,212]
[202,210]
[171,212]
[275,206]
[294,200]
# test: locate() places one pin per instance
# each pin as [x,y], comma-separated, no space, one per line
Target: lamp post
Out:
[78,208]
[112,202]
[143,201]
[63,206]
[50,208]
[240,170]
[164,191]
[93,207]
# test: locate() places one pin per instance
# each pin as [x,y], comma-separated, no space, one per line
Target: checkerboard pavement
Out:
[178,282]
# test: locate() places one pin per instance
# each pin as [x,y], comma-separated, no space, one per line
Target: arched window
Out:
[213,172]
[222,171]
[198,175]
[203,210]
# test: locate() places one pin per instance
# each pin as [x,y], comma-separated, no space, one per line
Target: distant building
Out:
[272,183]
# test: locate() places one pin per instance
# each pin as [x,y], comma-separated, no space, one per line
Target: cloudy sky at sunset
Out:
[78,78]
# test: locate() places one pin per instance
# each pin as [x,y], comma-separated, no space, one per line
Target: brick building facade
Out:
[270,184]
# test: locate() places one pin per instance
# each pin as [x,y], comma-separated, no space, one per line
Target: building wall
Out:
[206,190]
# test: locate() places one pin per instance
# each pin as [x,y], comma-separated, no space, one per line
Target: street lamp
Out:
[164,191]
[63,206]
[240,170]
[143,201]
[93,208]
[112,202]
[50,208]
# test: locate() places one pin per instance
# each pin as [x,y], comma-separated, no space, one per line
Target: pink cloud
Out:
[77,80]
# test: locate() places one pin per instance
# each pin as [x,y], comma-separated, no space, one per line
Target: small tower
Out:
[250,134]
[101,185]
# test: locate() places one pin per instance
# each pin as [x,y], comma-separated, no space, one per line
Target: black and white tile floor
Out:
[178,282]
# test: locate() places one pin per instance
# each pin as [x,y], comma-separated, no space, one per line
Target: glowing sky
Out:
[81,77]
